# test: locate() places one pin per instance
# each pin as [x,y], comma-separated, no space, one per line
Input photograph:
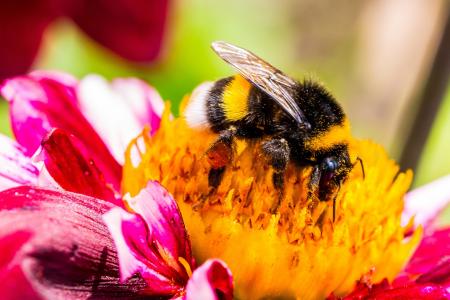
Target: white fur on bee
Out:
[196,110]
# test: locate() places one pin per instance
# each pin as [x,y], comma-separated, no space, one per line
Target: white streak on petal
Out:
[120,110]
[108,114]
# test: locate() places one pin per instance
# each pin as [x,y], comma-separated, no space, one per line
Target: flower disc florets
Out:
[295,253]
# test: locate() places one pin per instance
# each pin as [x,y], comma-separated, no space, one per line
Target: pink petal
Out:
[131,104]
[143,100]
[71,167]
[15,167]
[61,246]
[131,28]
[165,224]
[136,256]
[39,103]
[212,280]
[58,76]
[426,202]
[22,24]
[432,258]
[152,240]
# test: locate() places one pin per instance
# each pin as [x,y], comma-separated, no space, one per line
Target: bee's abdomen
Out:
[215,111]
[235,98]
[218,105]
[196,112]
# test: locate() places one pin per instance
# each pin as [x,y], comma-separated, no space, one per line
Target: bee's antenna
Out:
[334,202]
[334,208]
[362,166]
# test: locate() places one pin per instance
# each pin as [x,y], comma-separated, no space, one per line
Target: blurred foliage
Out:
[280,32]
[187,59]
[435,161]
[4,118]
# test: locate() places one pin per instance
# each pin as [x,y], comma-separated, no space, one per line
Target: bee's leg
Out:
[277,152]
[219,155]
[215,176]
[334,202]
[313,187]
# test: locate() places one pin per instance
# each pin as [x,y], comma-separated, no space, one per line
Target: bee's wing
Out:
[265,76]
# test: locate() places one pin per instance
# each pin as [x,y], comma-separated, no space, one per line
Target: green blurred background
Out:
[374,56]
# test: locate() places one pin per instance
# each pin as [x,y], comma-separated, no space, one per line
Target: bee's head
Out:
[334,170]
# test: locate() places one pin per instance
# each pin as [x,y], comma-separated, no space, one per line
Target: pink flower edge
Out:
[212,280]
[152,241]
[42,101]
[58,247]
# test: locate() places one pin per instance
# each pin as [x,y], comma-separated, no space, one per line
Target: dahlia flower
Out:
[79,229]
[132,29]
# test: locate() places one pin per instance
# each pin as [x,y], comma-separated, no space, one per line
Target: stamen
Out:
[186,265]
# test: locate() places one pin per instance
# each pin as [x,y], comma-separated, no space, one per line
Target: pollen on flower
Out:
[294,253]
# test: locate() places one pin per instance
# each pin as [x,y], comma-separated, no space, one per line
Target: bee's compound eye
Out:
[330,164]
[327,182]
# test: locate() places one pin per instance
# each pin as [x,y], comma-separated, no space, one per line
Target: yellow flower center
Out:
[295,253]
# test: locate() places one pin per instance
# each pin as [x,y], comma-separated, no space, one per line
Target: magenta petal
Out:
[440,274]
[69,253]
[212,280]
[130,235]
[15,167]
[131,104]
[39,103]
[72,168]
[131,28]
[406,290]
[427,275]
[14,284]
[22,24]
[414,291]
[431,257]
[426,202]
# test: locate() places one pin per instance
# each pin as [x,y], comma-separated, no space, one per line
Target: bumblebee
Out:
[297,122]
